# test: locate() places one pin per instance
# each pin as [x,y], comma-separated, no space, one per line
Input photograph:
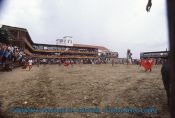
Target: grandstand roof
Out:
[19,28]
[91,46]
[75,45]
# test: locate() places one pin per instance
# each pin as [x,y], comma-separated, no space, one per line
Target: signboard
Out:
[45,48]
[66,41]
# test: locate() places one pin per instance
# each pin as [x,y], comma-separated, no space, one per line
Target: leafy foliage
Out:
[4,35]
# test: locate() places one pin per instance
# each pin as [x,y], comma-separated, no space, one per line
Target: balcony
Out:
[64,51]
[64,57]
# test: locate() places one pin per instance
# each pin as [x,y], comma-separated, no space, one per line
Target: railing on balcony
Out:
[65,57]
[66,51]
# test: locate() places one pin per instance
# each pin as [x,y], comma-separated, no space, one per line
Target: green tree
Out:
[4,35]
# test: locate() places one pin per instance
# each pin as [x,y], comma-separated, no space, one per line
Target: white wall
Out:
[66,41]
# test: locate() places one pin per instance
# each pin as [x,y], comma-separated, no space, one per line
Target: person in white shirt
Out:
[30,64]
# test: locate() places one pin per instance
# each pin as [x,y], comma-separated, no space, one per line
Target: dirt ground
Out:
[83,86]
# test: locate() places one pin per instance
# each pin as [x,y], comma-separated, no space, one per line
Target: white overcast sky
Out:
[116,24]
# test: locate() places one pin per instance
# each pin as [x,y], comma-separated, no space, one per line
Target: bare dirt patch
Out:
[83,86]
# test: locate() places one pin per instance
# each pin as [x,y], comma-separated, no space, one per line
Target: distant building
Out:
[101,49]
[109,56]
[103,53]
[158,54]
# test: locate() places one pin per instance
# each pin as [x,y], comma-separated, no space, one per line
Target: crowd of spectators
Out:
[66,49]
[62,55]
[70,61]
[10,54]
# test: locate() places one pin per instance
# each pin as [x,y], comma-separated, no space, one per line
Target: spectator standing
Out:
[112,62]
[37,62]
[30,64]
[129,57]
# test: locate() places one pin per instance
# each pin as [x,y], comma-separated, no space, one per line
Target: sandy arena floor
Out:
[83,86]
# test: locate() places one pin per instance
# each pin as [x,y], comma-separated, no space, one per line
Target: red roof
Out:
[91,46]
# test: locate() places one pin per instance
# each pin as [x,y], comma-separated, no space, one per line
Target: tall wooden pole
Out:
[171,24]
